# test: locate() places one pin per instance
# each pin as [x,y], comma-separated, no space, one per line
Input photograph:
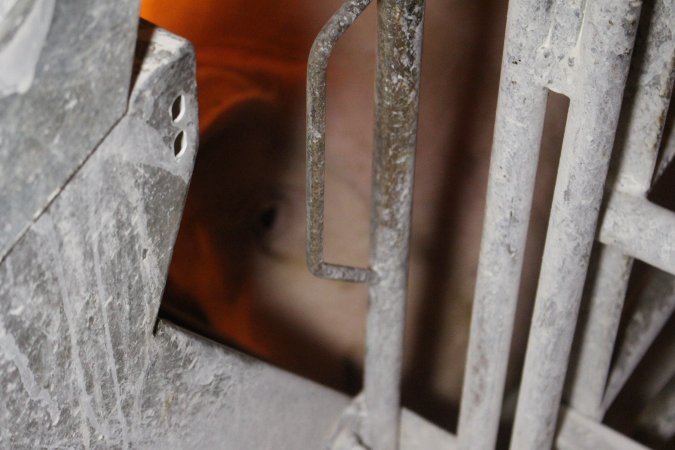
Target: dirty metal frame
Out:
[84,360]
[581,49]
[400,26]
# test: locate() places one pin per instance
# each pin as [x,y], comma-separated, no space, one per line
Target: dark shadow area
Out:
[651,374]
[417,393]
[145,32]
[232,205]
[663,191]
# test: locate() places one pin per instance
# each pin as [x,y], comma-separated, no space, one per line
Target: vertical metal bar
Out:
[606,295]
[655,306]
[668,154]
[515,152]
[604,51]
[400,25]
[658,418]
[648,93]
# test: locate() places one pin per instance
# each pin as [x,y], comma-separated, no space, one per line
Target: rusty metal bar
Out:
[399,49]
[603,58]
[648,91]
[316,143]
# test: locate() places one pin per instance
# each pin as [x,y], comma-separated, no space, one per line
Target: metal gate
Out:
[93,176]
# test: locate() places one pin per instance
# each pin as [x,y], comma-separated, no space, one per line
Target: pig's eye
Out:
[267,218]
[278,222]
[268,224]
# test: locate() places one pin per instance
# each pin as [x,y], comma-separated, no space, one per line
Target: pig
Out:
[239,272]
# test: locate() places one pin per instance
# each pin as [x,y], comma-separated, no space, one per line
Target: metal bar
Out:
[397,94]
[604,50]
[658,418]
[580,433]
[648,92]
[640,229]
[316,143]
[601,317]
[655,305]
[667,155]
[664,11]
[654,373]
[515,152]
[400,26]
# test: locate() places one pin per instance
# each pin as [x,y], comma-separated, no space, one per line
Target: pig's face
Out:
[240,254]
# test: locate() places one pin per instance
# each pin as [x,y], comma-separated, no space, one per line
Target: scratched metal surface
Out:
[58,110]
[79,294]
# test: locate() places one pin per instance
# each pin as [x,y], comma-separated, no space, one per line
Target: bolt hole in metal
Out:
[179,144]
[178,109]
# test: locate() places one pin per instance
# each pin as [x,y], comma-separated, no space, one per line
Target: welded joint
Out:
[640,229]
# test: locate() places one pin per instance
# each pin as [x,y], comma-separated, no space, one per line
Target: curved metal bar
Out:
[316,143]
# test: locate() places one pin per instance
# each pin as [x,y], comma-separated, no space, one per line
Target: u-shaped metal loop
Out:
[316,143]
